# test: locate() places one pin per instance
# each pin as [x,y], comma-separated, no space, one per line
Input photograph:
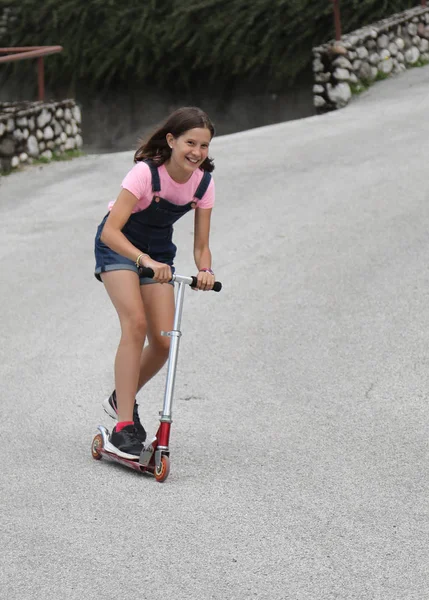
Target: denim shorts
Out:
[108,260]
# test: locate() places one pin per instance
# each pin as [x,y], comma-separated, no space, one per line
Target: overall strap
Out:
[204,184]
[156,183]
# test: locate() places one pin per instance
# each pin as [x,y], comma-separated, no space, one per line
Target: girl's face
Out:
[189,150]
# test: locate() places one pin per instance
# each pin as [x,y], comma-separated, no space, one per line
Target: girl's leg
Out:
[123,287]
[158,300]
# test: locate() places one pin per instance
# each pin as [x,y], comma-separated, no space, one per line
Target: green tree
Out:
[112,43]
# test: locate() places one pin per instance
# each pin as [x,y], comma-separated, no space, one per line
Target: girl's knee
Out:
[135,326]
[161,345]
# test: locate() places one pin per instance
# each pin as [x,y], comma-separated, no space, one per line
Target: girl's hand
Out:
[162,272]
[205,281]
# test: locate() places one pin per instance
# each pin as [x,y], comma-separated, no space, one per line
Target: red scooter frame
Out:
[155,456]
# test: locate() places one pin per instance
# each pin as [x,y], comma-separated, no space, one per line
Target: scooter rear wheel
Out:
[161,472]
[97,445]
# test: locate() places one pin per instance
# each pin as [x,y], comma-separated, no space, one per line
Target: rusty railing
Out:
[337,19]
[38,52]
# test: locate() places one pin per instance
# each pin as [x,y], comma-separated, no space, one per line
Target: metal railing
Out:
[38,52]
[337,17]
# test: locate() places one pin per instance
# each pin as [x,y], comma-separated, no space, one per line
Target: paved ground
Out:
[299,444]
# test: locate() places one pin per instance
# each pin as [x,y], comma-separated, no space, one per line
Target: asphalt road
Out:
[299,448]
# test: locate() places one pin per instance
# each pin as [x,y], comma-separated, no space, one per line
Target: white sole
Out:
[109,410]
[113,450]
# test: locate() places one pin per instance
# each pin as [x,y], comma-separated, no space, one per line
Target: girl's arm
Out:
[113,237]
[202,254]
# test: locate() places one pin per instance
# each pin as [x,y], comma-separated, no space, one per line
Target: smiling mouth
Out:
[192,160]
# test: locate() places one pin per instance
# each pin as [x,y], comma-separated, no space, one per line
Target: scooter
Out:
[155,455]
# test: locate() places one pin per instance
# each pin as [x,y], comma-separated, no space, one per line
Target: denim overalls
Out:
[150,230]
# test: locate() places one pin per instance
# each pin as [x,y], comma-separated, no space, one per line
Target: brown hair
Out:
[181,120]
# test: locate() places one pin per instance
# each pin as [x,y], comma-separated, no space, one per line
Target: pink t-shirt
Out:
[138,181]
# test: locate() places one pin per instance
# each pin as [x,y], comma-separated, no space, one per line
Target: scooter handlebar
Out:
[147,272]
[216,287]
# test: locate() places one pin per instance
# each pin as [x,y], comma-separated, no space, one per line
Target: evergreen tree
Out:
[112,43]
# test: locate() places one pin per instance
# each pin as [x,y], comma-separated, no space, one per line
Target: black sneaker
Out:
[125,443]
[110,405]
[141,433]
[111,408]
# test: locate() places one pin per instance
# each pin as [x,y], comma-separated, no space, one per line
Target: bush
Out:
[112,43]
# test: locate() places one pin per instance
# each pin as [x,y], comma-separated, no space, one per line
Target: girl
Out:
[171,177]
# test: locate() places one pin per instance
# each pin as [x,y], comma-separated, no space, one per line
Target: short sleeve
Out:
[138,181]
[208,200]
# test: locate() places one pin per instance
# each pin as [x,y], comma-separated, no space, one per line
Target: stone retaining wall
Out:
[350,65]
[30,130]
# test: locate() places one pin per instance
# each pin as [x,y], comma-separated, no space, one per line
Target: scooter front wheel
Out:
[161,472]
[97,445]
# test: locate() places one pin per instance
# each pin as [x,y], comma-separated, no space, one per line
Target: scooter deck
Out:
[134,464]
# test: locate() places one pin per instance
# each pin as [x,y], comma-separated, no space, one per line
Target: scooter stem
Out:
[175,335]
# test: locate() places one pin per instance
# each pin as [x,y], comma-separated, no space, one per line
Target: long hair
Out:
[155,146]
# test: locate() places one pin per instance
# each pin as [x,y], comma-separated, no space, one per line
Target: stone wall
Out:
[375,52]
[31,130]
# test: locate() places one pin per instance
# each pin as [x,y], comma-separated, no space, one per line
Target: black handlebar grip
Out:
[146,272]
[216,288]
